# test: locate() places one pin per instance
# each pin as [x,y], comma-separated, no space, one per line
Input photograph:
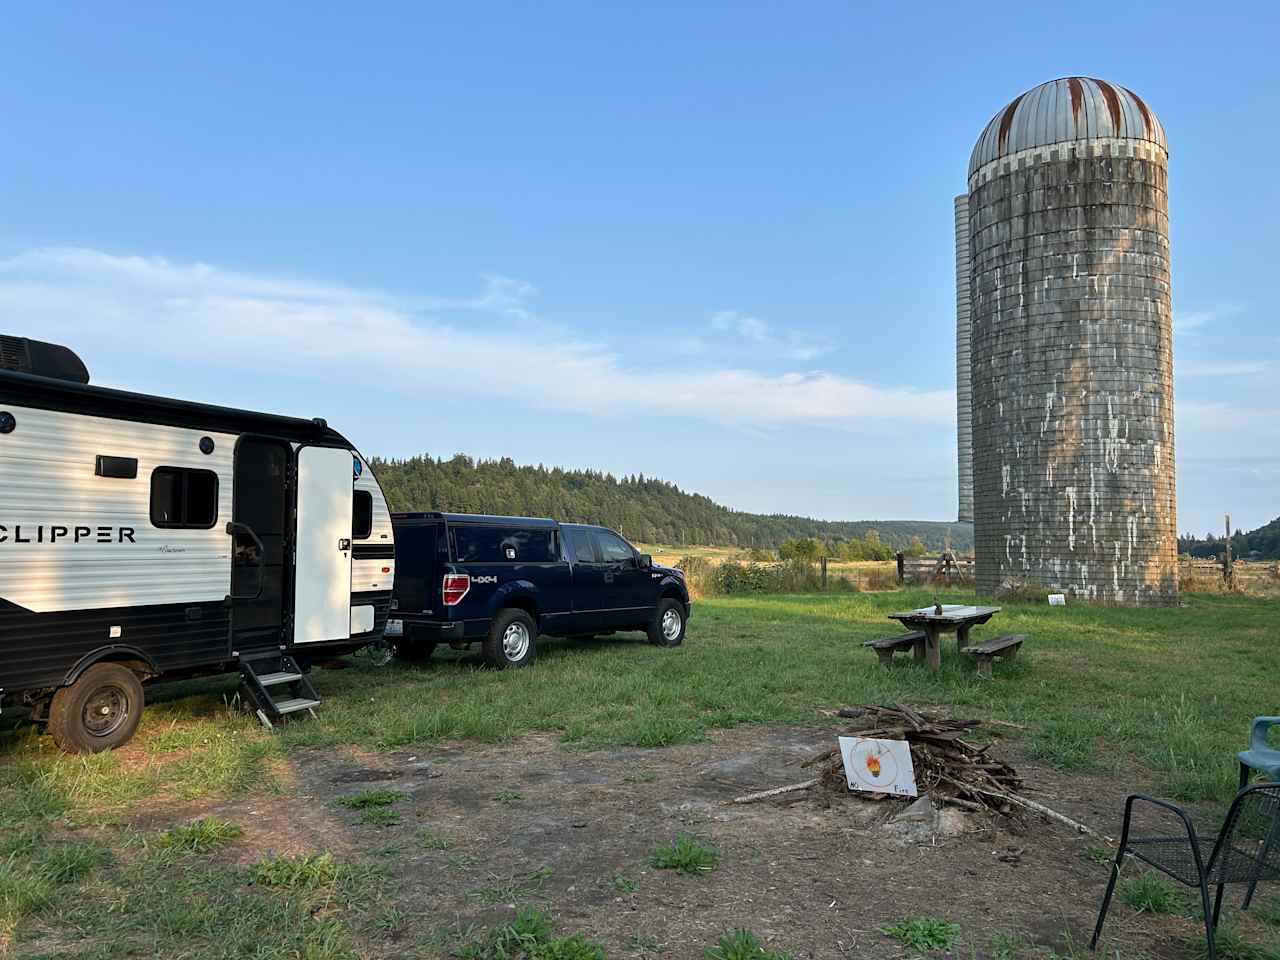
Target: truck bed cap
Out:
[476,518]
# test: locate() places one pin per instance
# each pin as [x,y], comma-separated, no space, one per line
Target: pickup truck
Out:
[501,582]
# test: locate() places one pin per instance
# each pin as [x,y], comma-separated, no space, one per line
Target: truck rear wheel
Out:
[667,626]
[99,711]
[512,640]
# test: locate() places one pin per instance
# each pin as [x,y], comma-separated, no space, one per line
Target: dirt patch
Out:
[483,828]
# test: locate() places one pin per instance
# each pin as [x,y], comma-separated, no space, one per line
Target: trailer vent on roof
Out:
[41,359]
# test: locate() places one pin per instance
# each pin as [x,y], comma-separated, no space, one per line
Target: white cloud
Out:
[790,344]
[104,304]
[1196,319]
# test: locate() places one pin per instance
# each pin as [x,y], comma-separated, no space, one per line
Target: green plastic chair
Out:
[1260,756]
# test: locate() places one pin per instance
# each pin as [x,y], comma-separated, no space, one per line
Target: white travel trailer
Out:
[145,538]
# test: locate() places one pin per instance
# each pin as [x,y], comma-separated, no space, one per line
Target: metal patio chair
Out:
[1247,850]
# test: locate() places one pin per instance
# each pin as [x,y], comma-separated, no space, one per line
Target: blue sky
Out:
[711,243]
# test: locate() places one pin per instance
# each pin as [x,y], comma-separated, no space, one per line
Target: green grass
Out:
[428,839]
[686,855]
[199,836]
[366,799]
[512,889]
[1006,946]
[1152,893]
[924,933]
[530,936]
[742,945]
[1166,693]
[379,817]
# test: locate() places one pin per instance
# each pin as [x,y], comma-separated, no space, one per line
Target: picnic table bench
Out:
[943,618]
[1005,647]
[886,647]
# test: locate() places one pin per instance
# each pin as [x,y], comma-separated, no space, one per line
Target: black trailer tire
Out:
[668,624]
[512,640]
[100,711]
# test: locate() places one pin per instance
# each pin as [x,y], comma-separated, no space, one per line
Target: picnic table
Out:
[954,617]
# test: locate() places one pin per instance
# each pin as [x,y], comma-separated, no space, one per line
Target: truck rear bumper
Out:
[432,631]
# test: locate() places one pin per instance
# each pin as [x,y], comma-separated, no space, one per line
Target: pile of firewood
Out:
[947,766]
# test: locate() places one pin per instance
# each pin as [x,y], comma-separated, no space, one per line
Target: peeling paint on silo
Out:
[1067,324]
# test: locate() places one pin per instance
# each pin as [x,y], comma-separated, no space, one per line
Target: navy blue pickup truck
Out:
[503,581]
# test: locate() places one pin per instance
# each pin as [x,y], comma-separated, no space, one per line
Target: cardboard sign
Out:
[878,766]
[1057,599]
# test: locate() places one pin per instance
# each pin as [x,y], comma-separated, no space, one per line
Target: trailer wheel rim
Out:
[106,710]
[671,624]
[515,641]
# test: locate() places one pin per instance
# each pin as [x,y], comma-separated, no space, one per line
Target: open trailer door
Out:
[322,570]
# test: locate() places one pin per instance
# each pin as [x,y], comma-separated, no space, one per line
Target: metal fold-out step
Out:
[275,686]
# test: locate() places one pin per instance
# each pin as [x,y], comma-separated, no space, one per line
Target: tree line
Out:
[641,508]
[1260,544]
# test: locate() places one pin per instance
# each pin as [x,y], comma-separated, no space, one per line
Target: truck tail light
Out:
[456,586]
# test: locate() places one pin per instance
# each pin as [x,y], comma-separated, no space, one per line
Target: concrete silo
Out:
[1065,314]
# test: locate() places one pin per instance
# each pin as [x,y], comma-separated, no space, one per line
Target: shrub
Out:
[686,855]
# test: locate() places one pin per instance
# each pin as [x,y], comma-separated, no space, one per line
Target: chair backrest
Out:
[1248,846]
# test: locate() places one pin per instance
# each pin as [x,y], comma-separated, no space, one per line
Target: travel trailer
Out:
[143,538]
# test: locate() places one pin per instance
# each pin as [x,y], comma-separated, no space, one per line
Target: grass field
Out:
[1168,692]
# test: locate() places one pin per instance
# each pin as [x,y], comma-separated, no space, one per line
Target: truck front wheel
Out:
[99,711]
[512,640]
[667,627]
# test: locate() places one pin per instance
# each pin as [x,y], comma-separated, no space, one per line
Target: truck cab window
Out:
[361,515]
[613,549]
[184,499]
[583,551]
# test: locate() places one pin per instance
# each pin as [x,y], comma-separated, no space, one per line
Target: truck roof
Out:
[477,518]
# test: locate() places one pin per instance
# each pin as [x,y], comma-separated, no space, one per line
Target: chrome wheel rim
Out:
[106,711]
[515,641]
[671,624]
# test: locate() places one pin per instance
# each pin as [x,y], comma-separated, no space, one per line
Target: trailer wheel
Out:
[512,639]
[667,627]
[99,711]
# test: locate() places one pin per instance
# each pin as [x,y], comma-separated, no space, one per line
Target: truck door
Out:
[590,592]
[322,569]
[629,588]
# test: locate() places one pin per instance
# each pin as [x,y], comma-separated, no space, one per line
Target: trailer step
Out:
[296,704]
[272,679]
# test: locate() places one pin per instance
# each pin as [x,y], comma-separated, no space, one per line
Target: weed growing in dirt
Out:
[309,871]
[21,892]
[198,836]
[379,817]
[1151,893]
[371,798]
[1006,946]
[1231,945]
[513,890]
[646,776]
[742,945]
[531,936]
[924,933]
[508,797]
[686,855]
[624,884]
[1100,855]
[68,862]
[1269,911]
[428,839]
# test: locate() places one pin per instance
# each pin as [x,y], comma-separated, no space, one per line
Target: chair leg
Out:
[1217,905]
[1106,900]
[1208,921]
[1257,870]
[1244,777]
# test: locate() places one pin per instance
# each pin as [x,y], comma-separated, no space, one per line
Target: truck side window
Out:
[486,544]
[613,549]
[583,552]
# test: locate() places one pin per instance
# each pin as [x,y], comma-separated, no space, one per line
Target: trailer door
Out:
[322,569]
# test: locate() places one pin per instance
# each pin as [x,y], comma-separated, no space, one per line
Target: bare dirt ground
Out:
[819,873]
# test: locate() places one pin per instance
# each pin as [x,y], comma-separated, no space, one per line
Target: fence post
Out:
[824,574]
[1228,569]
[901,570]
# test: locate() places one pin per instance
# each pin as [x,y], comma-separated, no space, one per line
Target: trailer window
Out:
[480,544]
[184,498]
[361,515]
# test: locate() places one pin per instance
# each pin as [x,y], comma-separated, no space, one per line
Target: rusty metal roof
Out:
[1073,108]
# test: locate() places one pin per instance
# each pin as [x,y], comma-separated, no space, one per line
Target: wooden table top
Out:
[952,613]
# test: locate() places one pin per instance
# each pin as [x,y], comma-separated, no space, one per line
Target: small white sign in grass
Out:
[878,766]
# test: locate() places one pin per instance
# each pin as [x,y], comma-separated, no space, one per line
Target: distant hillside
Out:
[1265,542]
[640,507]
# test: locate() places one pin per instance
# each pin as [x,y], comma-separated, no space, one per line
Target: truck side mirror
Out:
[646,562]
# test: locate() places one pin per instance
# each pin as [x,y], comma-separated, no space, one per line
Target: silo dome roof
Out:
[1073,108]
